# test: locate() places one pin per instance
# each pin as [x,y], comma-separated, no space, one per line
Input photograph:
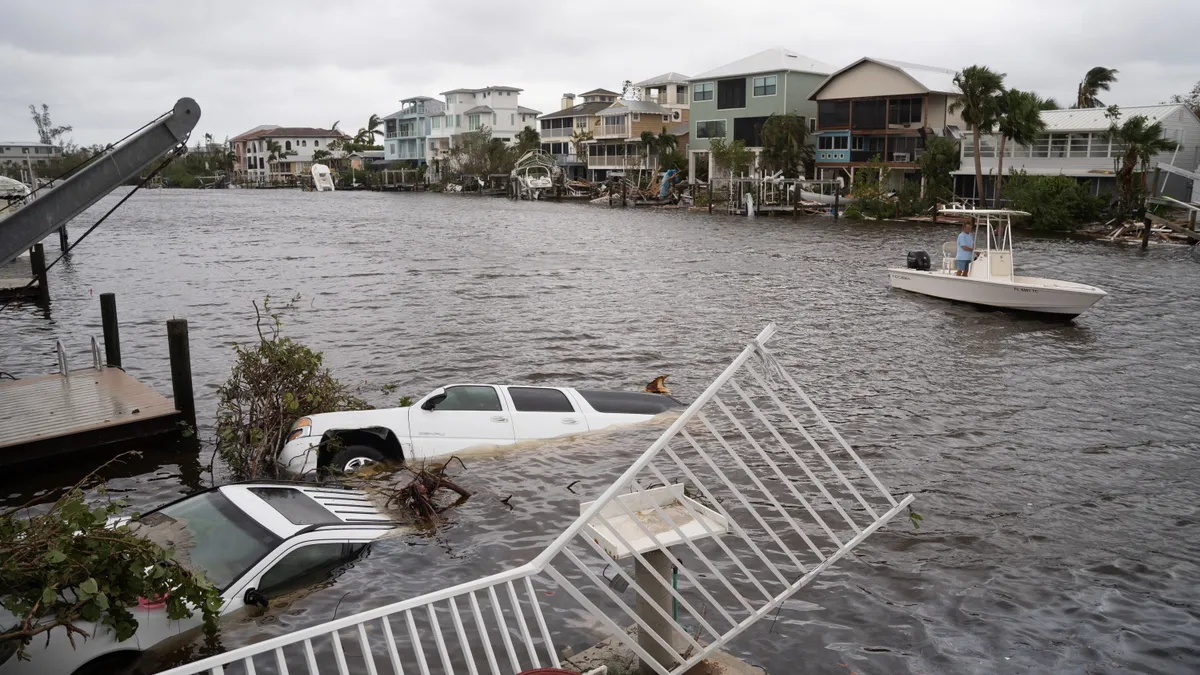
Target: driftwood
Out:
[658,386]
[415,491]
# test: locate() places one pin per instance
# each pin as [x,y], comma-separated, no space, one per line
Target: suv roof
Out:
[290,509]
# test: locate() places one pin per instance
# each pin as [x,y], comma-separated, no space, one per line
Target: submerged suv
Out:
[251,540]
[456,417]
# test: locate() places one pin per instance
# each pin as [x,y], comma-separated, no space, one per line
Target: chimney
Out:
[568,101]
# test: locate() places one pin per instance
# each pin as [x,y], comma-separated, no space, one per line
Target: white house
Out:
[466,110]
[294,156]
[1075,144]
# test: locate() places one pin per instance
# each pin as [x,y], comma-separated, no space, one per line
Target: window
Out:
[1099,146]
[471,398]
[458,120]
[437,123]
[304,144]
[833,114]
[905,145]
[391,148]
[305,565]
[749,130]
[512,119]
[833,142]
[1058,145]
[287,145]
[636,116]
[869,114]
[681,93]
[703,92]
[812,125]
[297,507]
[905,111]
[1041,146]
[765,86]
[25,151]
[538,399]
[1078,145]
[450,99]
[712,129]
[316,144]
[731,94]
[493,119]
[858,143]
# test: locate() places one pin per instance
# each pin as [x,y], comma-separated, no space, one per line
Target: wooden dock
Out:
[25,277]
[42,417]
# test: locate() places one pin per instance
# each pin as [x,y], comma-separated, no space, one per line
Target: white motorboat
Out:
[322,178]
[990,280]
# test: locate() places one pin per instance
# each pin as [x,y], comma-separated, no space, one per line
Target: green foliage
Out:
[938,162]
[1057,203]
[1096,80]
[732,158]
[908,199]
[1139,140]
[871,198]
[1190,99]
[528,139]
[66,565]
[272,383]
[478,154]
[785,145]
[672,160]
[47,132]
[1019,120]
[978,104]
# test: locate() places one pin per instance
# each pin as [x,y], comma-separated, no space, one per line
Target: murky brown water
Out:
[1054,464]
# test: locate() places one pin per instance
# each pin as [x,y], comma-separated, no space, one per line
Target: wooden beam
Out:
[1192,235]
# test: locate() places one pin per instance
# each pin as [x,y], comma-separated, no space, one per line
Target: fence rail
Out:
[750,494]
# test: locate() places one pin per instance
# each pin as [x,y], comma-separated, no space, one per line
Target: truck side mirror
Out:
[254,597]
[432,402]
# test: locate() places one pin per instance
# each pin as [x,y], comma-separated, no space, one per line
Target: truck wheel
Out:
[354,457]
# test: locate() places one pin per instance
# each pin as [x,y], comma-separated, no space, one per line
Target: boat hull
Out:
[1024,294]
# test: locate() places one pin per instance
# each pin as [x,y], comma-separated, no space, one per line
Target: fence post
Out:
[112,338]
[181,369]
[710,182]
[37,261]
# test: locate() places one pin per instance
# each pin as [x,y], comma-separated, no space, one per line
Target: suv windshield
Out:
[210,536]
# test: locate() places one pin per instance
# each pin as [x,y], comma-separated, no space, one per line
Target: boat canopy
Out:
[10,188]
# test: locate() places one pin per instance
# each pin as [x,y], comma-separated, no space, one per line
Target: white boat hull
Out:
[824,199]
[1026,294]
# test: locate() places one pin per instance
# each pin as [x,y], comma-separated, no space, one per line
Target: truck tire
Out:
[354,457]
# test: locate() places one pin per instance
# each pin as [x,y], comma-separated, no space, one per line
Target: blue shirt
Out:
[965,239]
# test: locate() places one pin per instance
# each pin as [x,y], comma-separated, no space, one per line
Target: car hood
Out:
[395,419]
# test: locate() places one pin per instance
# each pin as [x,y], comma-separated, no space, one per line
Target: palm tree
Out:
[334,126]
[276,153]
[321,155]
[1098,79]
[979,88]
[1049,104]
[667,142]
[649,142]
[1019,120]
[1139,141]
[785,144]
[373,124]
[578,139]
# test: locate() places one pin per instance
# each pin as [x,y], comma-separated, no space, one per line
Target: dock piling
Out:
[64,241]
[37,260]
[181,369]
[837,199]
[710,182]
[112,338]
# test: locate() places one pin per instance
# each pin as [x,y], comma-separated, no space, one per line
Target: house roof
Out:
[528,111]
[599,92]
[28,144]
[577,110]
[932,79]
[666,78]
[768,61]
[478,109]
[1093,119]
[622,106]
[269,131]
[417,99]
[680,129]
[476,91]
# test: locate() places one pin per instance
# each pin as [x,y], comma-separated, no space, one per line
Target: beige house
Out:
[879,107]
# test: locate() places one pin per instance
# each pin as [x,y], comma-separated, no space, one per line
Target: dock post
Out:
[112,338]
[710,182]
[660,595]
[624,193]
[837,200]
[64,241]
[37,261]
[795,197]
[1146,219]
[181,369]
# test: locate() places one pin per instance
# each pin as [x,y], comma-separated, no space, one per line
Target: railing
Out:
[621,130]
[557,133]
[755,488]
[570,158]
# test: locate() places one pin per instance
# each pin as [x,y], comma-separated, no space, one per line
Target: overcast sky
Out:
[108,66]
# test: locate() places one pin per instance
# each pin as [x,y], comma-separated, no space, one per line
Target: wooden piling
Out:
[837,201]
[112,338]
[37,261]
[710,195]
[1146,219]
[795,197]
[64,241]
[181,369]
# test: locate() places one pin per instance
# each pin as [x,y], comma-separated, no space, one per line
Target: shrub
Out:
[271,385]
[67,565]
[870,192]
[1057,203]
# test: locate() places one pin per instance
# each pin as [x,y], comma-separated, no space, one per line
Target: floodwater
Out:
[1055,464]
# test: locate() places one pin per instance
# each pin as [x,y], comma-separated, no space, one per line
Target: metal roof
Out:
[622,106]
[480,90]
[599,92]
[528,111]
[930,78]
[580,110]
[666,78]
[768,61]
[1093,119]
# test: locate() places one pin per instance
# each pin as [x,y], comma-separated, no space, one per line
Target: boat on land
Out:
[990,279]
[322,178]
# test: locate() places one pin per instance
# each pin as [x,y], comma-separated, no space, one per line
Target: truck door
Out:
[543,412]
[461,417]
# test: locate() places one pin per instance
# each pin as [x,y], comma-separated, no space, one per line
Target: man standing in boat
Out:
[966,249]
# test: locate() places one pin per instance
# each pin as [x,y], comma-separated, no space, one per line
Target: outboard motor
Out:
[918,260]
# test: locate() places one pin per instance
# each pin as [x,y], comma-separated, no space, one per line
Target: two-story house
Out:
[25,153]
[1075,143]
[406,130]
[882,108]
[556,129]
[467,110]
[617,144]
[257,161]
[734,100]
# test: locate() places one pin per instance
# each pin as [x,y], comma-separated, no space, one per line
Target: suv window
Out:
[470,398]
[307,565]
[540,399]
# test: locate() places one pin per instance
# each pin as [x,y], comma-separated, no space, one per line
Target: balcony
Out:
[556,133]
[614,131]
[564,160]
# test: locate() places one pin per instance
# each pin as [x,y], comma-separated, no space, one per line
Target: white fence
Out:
[750,494]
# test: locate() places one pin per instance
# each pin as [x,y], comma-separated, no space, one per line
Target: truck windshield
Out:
[210,536]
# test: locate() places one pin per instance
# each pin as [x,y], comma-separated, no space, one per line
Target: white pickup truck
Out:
[455,417]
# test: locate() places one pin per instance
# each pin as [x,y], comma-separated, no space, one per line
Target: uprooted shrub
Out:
[413,490]
[66,565]
[272,383]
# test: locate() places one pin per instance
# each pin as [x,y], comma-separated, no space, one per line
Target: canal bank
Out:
[1057,505]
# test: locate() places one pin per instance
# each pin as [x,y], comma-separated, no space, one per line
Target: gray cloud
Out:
[107,67]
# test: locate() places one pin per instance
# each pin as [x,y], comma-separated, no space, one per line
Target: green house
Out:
[734,100]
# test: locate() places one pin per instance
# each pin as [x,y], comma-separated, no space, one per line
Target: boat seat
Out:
[949,253]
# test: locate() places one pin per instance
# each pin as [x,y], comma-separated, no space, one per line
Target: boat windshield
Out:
[210,536]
